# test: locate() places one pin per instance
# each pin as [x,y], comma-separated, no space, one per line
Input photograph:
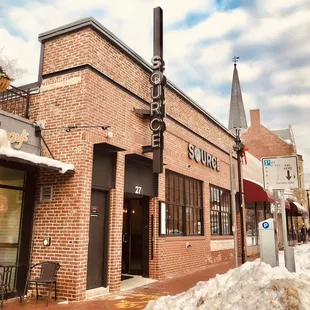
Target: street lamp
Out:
[238,125]
[307,190]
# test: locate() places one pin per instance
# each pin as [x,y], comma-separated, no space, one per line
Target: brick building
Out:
[262,142]
[113,215]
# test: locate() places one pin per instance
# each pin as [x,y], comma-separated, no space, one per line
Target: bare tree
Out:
[10,67]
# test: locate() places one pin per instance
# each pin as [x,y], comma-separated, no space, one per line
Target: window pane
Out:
[251,230]
[221,217]
[187,191]
[187,221]
[199,221]
[191,194]
[170,219]
[181,219]
[225,223]
[184,196]
[11,177]
[215,223]
[171,196]
[10,213]
[181,189]
[176,189]
[195,221]
[175,220]
[199,195]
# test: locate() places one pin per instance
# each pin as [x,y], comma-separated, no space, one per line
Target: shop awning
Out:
[255,192]
[22,157]
[297,208]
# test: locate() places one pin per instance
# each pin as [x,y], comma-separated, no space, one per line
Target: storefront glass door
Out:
[11,197]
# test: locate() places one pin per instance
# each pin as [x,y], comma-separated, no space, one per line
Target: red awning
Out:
[296,208]
[255,192]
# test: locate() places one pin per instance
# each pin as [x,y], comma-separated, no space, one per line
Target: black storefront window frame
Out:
[26,219]
[184,207]
[215,187]
[255,207]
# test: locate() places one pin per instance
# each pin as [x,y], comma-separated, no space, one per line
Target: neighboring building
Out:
[258,201]
[262,142]
[114,216]
[19,175]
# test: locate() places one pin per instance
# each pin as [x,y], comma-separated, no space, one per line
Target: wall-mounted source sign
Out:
[18,138]
[201,156]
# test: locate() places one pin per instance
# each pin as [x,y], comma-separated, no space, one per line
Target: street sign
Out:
[280,173]
[265,225]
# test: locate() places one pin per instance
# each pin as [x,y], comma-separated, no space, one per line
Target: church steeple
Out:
[237,117]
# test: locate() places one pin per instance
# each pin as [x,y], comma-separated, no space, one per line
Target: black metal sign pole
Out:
[158,54]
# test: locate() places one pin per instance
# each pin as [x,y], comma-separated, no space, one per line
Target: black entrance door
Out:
[98,236]
[135,251]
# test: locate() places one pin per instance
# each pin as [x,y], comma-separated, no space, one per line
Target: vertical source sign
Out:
[157,111]
[158,81]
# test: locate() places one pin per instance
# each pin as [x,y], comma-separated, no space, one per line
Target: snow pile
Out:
[254,285]
[302,260]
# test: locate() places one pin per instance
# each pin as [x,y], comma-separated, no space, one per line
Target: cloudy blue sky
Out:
[201,36]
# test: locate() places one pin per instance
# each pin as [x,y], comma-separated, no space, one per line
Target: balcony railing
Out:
[16,101]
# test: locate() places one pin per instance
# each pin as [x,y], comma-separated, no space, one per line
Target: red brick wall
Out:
[85,98]
[262,142]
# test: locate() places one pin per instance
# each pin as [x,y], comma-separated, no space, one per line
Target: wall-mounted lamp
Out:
[47,241]
[109,134]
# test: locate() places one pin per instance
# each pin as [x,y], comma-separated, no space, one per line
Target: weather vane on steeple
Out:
[235,60]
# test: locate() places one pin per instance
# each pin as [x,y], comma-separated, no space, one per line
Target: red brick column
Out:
[156,271]
[116,226]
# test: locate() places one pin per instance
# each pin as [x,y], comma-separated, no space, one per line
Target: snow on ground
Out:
[254,285]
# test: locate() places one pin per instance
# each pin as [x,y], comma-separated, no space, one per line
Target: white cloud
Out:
[270,39]
[294,77]
[275,7]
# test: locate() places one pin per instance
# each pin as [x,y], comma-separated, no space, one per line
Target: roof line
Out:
[107,34]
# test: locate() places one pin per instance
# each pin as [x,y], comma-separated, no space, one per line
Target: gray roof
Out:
[285,135]
[237,117]
[108,35]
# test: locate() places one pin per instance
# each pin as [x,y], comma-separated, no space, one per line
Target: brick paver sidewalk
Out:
[133,299]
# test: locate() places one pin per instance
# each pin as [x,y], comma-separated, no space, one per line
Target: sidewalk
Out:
[132,299]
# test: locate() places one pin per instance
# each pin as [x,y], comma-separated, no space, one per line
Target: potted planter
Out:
[5,80]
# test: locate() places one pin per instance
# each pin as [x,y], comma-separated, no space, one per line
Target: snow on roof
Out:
[285,135]
[35,159]
[258,183]
[7,151]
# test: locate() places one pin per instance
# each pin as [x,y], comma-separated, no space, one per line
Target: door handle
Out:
[125,237]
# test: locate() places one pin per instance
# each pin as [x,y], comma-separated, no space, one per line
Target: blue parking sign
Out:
[267,162]
[265,225]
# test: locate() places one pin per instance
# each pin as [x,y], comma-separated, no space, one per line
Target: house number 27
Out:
[138,190]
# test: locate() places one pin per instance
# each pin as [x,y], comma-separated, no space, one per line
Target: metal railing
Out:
[16,101]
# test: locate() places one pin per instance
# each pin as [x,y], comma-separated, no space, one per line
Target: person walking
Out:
[304,234]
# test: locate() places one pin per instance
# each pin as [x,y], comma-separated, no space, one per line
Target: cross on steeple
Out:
[235,60]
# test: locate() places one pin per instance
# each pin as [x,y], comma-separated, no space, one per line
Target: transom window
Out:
[221,216]
[184,208]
